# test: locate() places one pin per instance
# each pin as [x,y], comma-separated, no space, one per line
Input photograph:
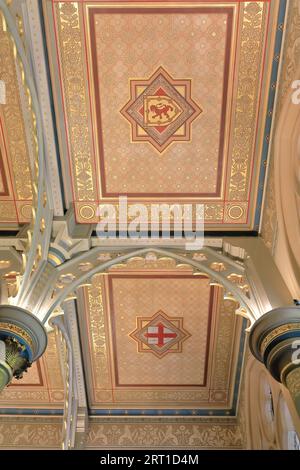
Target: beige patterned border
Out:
[13,120]
[97,334]
[8,211]
[247,96]
[30,433]
[225,337]
[71,50]
[45,433]
[163,435]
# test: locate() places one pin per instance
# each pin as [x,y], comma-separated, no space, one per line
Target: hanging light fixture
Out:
[23,339]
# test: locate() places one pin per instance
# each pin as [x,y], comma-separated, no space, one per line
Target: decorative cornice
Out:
[164,436]
[30,433]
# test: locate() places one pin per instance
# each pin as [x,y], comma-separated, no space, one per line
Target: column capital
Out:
[272,340]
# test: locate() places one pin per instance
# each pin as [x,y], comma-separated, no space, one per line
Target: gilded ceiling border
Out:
[18,208]
[69,29]
[234,212]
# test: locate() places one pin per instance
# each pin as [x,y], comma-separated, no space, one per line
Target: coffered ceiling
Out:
[159,340]
[164,103]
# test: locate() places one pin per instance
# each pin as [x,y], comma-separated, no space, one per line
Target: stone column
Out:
[275,340]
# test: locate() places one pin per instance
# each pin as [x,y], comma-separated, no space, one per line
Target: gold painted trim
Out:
[277,332]
[17,330]
[14,130]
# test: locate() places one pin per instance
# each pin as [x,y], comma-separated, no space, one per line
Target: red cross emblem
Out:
[159,334]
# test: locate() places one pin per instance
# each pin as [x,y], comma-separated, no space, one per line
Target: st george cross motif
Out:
[160,334]
[161,110]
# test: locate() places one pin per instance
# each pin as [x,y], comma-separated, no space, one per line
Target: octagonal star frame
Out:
[161,110]
[159,334]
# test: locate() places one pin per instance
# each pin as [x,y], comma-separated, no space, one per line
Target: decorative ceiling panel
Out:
[40,391]
[15,177]
[161,342]
[163,102]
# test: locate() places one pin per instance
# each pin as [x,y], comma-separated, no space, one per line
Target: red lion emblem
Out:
[160,109]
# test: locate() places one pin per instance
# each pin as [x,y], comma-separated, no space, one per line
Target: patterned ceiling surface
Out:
[162,102]
[160,341]
[41,391]
[15,179]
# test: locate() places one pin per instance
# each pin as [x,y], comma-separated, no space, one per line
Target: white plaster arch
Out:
[247,306]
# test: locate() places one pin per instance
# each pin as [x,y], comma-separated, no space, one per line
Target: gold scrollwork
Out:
[13,118]
[71,50]
[247,96]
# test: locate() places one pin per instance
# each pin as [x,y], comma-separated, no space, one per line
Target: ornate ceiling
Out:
[156,338]
[161,102]
[164,103]
[161,340]
[15,175]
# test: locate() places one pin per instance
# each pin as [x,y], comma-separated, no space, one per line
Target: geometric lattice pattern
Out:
[161,110]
